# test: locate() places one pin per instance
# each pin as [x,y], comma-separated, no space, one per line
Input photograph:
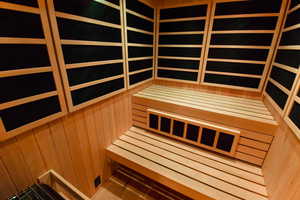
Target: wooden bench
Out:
[248,116]
[194,172]
[233,111]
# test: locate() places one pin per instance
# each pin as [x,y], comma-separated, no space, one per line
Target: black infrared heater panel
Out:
[140,39]
[29,96]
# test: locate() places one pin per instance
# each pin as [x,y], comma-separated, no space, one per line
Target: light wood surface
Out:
[201,124]
[252,146]
[73,146]
[194,105]
[155,154]
[282,165]
[52,178]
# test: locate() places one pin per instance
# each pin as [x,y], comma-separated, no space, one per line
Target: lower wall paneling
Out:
[74,146]
[282,165]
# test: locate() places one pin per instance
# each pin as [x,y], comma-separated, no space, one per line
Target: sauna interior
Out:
[150,99]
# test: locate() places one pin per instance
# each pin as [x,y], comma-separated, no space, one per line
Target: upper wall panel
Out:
[139,35]
[90,48]
[285,67]
[180,42]
[31,93]
[241,39]
[282,88]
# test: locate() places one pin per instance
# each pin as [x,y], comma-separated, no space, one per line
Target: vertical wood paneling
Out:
[62,150]
[93,140]
[74,146]
[32,154]
[282,165]
[75,150]
[6,185]
[47,148]
[16,167]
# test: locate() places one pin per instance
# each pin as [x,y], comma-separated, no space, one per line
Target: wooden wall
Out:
[282,165]
[73,146]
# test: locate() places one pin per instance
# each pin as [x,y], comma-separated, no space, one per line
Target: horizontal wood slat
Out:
[263,123]
[201,174]
[253,144]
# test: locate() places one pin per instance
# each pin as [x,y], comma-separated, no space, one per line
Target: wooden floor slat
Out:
[215,175]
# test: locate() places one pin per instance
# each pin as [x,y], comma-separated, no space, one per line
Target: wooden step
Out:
[239,112]
[193,172]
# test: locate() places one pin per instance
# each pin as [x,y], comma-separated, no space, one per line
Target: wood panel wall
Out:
[25,35]
[138,40]
[73,146]
[285,71]
[241,41]
[282,165]
[181,39]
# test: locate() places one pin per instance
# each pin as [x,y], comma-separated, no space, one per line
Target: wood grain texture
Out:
[151,154]
[282,165]
[73,146]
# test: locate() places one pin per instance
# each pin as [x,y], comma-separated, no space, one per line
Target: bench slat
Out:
[201,159]
[205,106]
[252,123]
[175,180]
[213,156]
[215,101]
[244,113]
[191,173]
[239,182]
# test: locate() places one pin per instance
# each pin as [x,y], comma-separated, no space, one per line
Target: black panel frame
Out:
[240,54]
[184,12]
[278,96]
[77,30]
[23,114]
[86,53]
[86,94]
[89,9]
[248,7]
[139,7]
[253,23]
[196,39]
[238,81]
[182,26]
[242,68]
[139,77]
[180,64]
[177,75]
